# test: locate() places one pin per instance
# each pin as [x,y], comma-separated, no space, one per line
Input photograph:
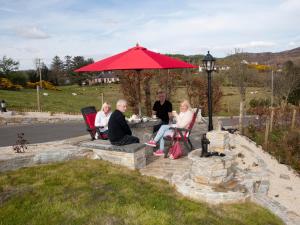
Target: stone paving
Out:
[254,175]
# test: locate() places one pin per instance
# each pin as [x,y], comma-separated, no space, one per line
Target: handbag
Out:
[175,151]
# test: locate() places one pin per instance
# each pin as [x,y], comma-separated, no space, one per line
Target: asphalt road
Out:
[38,133]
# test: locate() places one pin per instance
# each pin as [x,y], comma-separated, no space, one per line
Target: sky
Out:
[31,29]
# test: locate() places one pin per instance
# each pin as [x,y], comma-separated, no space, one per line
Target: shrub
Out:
[6,84]
[259,102]
[45,84]
[19,78]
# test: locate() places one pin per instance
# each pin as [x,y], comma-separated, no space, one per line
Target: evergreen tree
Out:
[57,71]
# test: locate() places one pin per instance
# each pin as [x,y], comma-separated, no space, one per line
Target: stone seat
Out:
[131,156]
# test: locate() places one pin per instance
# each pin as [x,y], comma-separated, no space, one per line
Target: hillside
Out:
[261,58]
[270,57]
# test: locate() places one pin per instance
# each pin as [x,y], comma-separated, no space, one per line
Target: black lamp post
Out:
[209,65]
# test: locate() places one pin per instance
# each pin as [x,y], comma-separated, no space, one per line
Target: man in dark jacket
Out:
[119,132]
[162,109]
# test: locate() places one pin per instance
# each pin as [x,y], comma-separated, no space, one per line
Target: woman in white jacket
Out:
[182,121]
[102,118]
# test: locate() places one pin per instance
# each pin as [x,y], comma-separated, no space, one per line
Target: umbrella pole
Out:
[139,91]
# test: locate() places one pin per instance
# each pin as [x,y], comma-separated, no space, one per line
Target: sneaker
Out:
[159,153]
[151,143]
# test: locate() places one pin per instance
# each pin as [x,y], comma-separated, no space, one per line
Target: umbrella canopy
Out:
[136,58]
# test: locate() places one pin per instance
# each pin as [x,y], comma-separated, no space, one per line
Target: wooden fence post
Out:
[38,97]
[294,118]
[272,119]
[267,132]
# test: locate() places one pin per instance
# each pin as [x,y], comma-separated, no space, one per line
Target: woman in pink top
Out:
[183,119]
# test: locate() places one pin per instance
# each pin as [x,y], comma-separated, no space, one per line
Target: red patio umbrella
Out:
[137,58]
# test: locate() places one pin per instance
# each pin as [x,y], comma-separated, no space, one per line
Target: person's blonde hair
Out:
[105,104]
[186,102]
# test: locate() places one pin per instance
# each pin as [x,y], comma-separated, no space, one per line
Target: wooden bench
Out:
[131,156]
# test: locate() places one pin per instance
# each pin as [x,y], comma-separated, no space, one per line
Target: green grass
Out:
[95,192]
[231,99]
[61,101]
[64,101]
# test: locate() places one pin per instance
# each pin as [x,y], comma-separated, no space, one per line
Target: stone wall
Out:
[211,170]
[219,140]
[13,118]
[132,156]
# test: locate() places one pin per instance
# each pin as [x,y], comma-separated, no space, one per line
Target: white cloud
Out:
[31,32]
[290,5]
[96,29]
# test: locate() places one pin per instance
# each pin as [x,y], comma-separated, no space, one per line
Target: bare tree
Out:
[239,73]
[147,90]
[129,83]
[286,82]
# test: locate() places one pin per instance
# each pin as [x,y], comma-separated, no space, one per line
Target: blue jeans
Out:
[164,130]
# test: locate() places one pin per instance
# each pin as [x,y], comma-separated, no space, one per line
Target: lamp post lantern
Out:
[209,65]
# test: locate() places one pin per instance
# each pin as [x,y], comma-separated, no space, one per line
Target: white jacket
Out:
[101,120]
[184,119]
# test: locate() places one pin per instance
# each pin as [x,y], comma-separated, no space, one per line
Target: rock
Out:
[284,176]
[289,188]
[240,155]
[219,140]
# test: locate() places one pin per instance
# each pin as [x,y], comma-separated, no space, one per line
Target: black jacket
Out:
[117,126]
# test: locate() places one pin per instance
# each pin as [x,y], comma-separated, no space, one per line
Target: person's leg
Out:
[156,128]
[162,144]
[130,140]
[161,132]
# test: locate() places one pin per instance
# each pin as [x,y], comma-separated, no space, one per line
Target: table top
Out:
[149,123]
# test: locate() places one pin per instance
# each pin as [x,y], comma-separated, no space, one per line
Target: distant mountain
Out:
[272,58]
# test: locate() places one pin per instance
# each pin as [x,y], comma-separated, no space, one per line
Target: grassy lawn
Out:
[95,192]
[64,101]
[231,98]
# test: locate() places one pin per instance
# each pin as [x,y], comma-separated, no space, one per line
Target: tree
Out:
[287,82]
[57,70]
[146,79]
[129,84]
[77,62]
[8,65]
[197,93]
[18,77]
[240,74]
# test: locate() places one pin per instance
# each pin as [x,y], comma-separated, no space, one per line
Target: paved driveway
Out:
[38,133]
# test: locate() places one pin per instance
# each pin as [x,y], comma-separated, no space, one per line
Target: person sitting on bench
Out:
[119,132]
[102,119]
[182,121]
